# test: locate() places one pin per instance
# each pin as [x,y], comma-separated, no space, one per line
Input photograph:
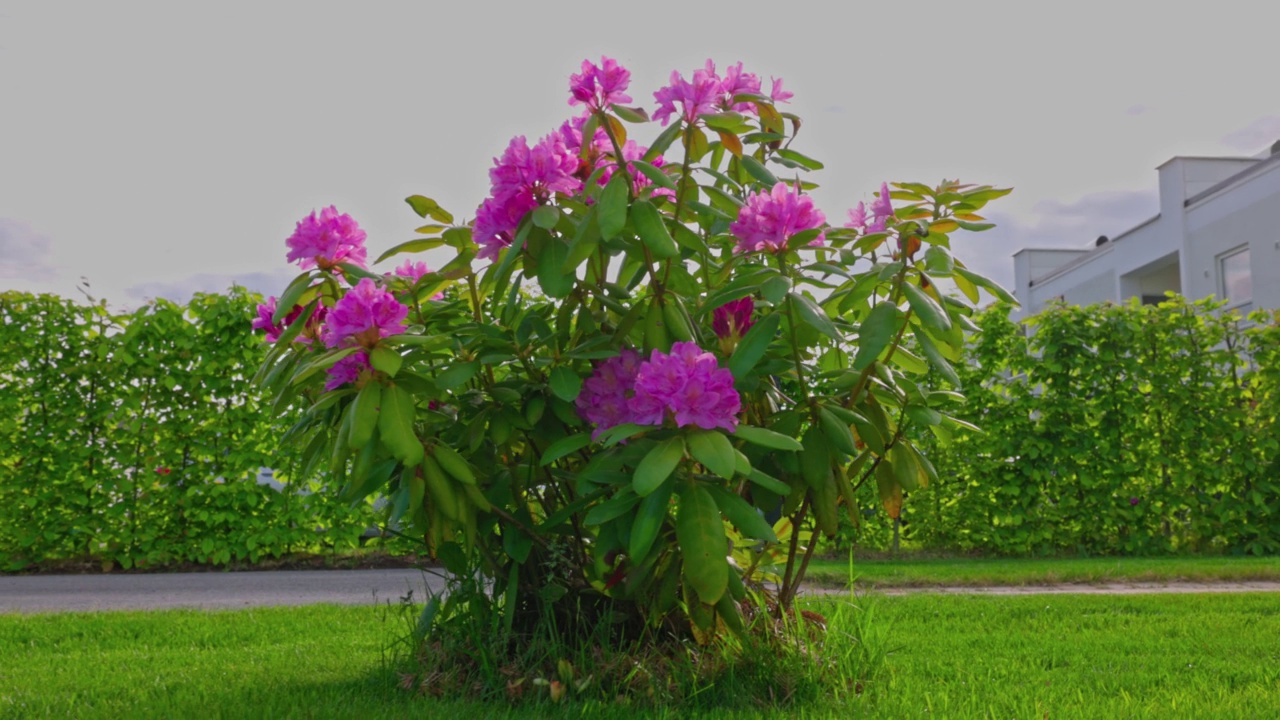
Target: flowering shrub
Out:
[639,353]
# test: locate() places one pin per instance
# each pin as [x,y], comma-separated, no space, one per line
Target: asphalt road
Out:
[211,590]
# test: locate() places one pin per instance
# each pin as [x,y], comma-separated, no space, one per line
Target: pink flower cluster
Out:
[600,152]
[363,316]
[267,310]
[600,85]
[325,240]
[413,272]
[710,93]
[769,220]
[687,383]
[347,370]
[520,180]
[881,211]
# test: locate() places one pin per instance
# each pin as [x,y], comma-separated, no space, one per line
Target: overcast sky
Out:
[160,148]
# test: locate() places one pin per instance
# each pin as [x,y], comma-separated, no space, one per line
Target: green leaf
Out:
[454,464]
[613,508]
[815,460]
[663,141]
[611,210]
[935,357]
[769,482]
[775,288]
[802,160]
[652,230]
[584,243]
[551,276]
[364,418]
[290,296]
[767,438]
[837,432]
[906,471]
[426,207]
[657,465]
[655,175]
[713,449]
[546,216]
[412,246]
[456,375]
[753,345]
[565,383]
[926,309]
[395,426]
[703,545]
[630,114]
[743,516]
[814,316]
[386,360]
[890,491]
[618,433]
[938,260]
[648,521]
[875,333]
[990,285]
[758,171]
[565,446]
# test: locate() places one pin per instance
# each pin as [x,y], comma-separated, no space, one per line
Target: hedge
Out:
[1109,429]
[136,439]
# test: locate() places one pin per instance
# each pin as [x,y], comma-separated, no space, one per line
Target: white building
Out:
[1218,233]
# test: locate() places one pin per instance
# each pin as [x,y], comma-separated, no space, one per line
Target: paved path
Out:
[227,590]
[1113,588]
[231,590]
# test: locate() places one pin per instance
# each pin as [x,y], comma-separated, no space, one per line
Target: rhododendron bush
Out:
[649,373]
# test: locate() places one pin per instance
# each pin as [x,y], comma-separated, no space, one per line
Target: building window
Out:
[1236,280]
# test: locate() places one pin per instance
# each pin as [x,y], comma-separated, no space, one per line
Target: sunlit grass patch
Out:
[1167,656]
[927,572]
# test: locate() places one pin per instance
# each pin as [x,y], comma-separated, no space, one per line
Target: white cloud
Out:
[1053,224]
[24,252]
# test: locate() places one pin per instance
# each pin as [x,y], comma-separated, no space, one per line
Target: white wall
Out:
[1245,214]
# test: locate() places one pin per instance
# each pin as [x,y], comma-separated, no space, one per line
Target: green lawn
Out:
[1168,656]
[972,572]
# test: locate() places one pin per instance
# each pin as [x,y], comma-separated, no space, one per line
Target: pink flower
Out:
[520,180]
[273,332]
[264,322]
[777,93]
[542,169]
[413,271]
[769,220]
[347,370]
[695,98]
[858,218]
[708,92]
[690,383]
[497,220]
[882,209]
[736,82]
[687,384]
[732,320]
[363,316]
[326,240]
[603,400]
[600,85]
